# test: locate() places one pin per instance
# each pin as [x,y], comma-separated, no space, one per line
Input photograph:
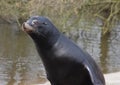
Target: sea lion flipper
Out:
[96,80]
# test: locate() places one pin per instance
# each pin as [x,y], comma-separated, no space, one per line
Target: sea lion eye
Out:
[45,23]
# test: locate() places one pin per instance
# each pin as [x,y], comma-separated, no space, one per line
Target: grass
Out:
[63,12]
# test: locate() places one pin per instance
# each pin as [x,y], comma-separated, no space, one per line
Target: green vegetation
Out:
[63,12]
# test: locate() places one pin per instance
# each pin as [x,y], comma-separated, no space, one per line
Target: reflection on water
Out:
[19,62]
[21,65]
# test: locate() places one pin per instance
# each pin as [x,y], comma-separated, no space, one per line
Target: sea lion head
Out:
[38,25]
[40,28]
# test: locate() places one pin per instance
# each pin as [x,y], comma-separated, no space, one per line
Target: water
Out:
[21,65]
[19,61]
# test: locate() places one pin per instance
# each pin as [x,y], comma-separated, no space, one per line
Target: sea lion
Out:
[65,63]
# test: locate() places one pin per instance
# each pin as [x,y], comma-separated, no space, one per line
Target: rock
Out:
[112,78]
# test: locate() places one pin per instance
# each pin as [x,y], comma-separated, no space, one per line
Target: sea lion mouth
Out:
[27,28]
[30,25]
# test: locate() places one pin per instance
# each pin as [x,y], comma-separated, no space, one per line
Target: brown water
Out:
[21,65]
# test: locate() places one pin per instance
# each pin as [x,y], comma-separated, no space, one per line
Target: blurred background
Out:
[93,24]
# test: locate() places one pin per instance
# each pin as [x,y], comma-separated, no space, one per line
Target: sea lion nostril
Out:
[34,22]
